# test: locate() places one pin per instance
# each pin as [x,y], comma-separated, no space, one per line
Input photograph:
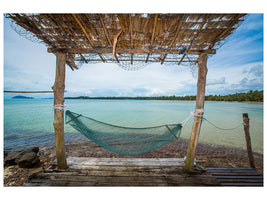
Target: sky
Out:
[236,67]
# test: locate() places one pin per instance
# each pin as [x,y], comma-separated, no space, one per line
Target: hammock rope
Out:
[123,140]
[127,140]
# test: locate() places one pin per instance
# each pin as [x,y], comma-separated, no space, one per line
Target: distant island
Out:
[250,96]
[21,97]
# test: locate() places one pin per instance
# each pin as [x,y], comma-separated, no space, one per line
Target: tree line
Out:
[253,96]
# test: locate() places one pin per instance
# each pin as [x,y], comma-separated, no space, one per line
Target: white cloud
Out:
[154,79]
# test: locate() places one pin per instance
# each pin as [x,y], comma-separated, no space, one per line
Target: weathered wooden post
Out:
[58,89]
[248,141]
[200,99]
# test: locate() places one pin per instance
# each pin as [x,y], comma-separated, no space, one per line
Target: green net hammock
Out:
[123,140]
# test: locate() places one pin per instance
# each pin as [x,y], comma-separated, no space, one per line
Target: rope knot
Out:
[60,107]
[195,113]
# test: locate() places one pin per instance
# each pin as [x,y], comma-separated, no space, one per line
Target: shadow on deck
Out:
[124,172]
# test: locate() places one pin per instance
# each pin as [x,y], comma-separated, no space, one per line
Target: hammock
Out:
[123,140]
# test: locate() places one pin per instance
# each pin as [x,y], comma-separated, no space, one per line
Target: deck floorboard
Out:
[122,172]
[141,172]
[237,176]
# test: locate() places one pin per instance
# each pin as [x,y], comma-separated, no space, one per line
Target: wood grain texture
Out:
[200,100]
[122,172]
[58,89]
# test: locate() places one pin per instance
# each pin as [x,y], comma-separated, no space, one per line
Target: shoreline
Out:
[206,155]
[130,99]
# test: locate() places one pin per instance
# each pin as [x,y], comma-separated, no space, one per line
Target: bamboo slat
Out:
[158,33]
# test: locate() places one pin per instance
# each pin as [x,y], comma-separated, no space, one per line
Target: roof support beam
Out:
[131,31]
[58,89]
[198,114]
[83,29]
[85,33]
[153,34]
[175,36]
[106,34]
[128,50]
[199,30]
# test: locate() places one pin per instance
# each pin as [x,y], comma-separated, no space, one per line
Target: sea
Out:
[29,122]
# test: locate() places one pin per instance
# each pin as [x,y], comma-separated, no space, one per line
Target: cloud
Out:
[257,71]
[216,81]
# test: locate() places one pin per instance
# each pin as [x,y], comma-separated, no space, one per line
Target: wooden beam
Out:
[248,141]
[131,34]
[175,36]
[140,60]
[154,29]
[200,99]
[87,36]
[199,30]
[58,89]
[147,57]
[177,32]
[131,30]
[128,50]
[153,34]
[83,29]
[72,65]
[9,91]
[131,58]
[106,34]
[162,60]
[105,30]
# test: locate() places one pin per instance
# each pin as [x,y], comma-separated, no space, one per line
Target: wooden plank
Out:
[242,184]
[235,174]
[88,161]
[233,170]
[41,182]
[200,100]
[122,172]
[238,176]
[240,180]
[168,169]
[181,179]
[129,50]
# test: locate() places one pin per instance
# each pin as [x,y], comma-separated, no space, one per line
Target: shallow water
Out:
[29,122]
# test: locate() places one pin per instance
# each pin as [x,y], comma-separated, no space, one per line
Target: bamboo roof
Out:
[146,38]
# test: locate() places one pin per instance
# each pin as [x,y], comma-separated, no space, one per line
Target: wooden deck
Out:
[122,172]
[237,176]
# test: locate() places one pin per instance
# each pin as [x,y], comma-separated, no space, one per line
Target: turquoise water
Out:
[30,122]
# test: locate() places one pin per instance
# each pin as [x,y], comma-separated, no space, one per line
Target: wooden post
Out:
[248,141]
[58,89]
[200,99]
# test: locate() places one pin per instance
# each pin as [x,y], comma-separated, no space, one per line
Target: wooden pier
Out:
[237,176]
[122,172]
